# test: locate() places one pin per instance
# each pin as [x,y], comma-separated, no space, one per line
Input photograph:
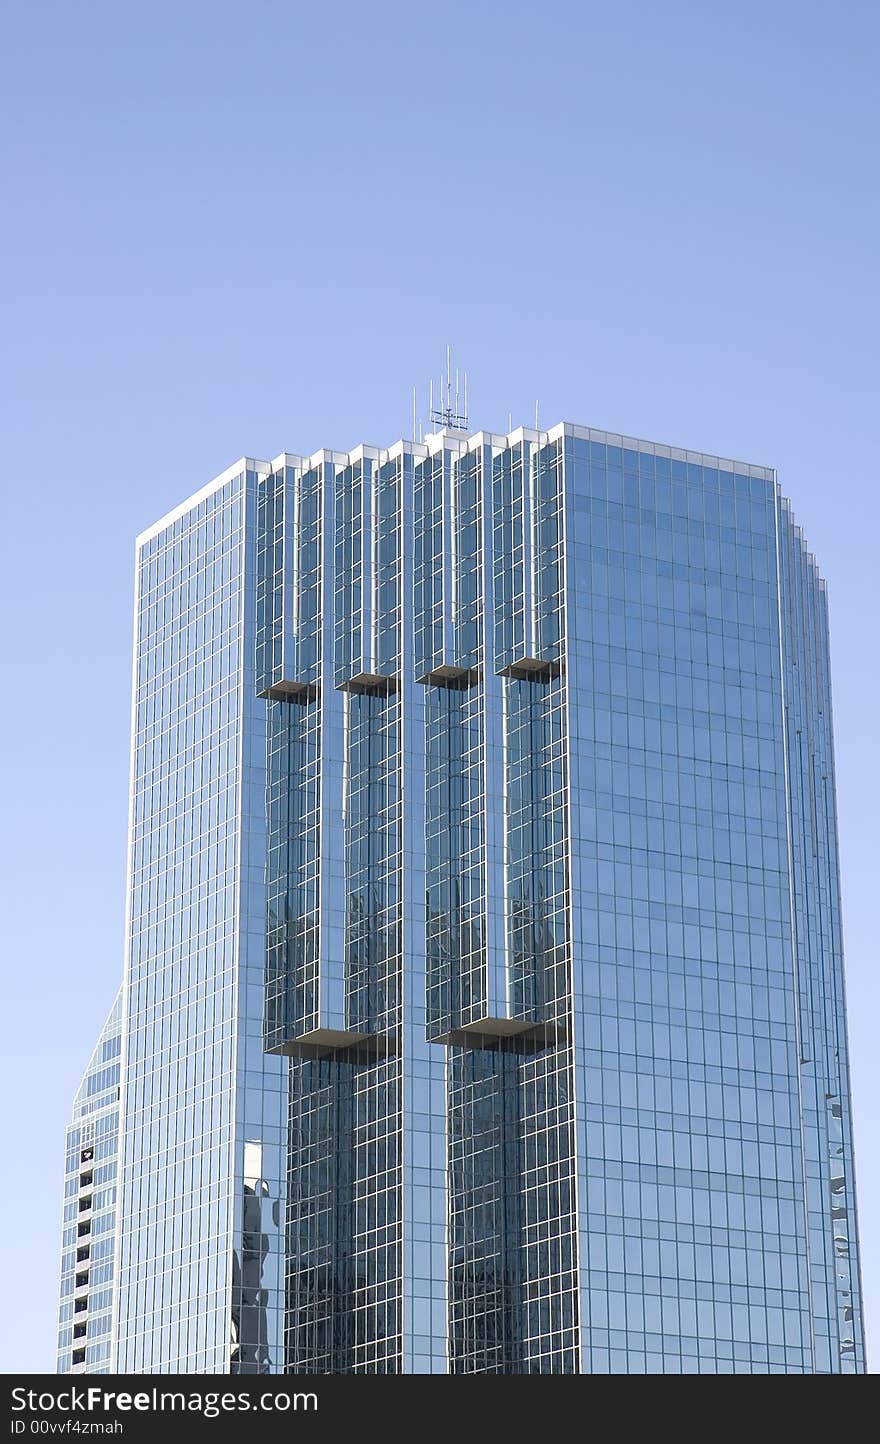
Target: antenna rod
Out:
[449,410]
[448,381]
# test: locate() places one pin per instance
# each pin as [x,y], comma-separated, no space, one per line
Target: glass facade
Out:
[714,1233]
[88,1230]
[483,1007]
[201,1212]
[554,931]
[345,931]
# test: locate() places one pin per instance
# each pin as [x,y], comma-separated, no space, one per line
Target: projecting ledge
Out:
[352,1045]
[374,683]
[454,677]
[492,1032]
[532,669]
[291,692]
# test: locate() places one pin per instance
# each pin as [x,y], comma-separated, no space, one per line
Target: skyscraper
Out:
[554,1009]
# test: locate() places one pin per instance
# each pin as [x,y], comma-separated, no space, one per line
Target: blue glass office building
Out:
[554,923]
[484,1003]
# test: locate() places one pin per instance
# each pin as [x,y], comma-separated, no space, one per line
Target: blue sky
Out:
[240,229]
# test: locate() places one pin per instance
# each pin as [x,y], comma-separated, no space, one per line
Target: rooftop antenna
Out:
[414,415]
[448,378]
[536,416]
[449,416]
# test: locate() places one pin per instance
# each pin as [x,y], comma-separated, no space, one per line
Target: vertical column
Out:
[497,886]
[305,1006]
[467,986]
[366,1283]
[423,1163]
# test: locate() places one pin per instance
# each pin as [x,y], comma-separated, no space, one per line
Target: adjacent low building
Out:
[88,1230]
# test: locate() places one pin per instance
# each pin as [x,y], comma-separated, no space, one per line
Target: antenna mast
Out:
[452,416]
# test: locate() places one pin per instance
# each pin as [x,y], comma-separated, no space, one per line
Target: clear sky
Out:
[244,228]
